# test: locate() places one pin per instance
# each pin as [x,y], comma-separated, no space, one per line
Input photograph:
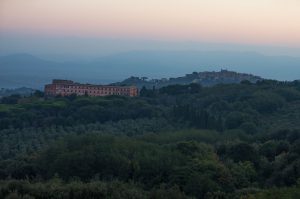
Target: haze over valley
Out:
[27,70]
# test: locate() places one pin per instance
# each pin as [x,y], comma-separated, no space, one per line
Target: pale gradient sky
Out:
[262,22]
[87,29]
[208,35]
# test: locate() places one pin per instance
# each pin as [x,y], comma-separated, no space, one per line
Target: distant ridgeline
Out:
[18,91]
[203,78]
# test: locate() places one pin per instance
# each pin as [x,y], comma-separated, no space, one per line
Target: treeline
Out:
[38,112]
[57,189]
[201,164]
[181,141]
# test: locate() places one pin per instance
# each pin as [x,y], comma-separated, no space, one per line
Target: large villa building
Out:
[67,87]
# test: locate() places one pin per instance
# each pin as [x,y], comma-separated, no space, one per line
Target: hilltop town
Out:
[203,78]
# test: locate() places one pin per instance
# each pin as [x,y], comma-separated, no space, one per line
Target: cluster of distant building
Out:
[203,78]
[224,76]
[67,87]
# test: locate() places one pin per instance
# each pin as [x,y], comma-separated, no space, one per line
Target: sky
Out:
[108,26]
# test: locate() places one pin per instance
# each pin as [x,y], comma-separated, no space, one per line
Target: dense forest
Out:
[233,141]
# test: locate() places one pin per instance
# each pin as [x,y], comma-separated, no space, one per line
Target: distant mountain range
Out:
[23,91]
[20,70]
[203,78]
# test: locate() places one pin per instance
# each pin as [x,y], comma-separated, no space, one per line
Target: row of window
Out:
[96,88]
[96,92]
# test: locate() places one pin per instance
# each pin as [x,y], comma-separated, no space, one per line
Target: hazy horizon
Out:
[124,38]
[25,70]
[85,49]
